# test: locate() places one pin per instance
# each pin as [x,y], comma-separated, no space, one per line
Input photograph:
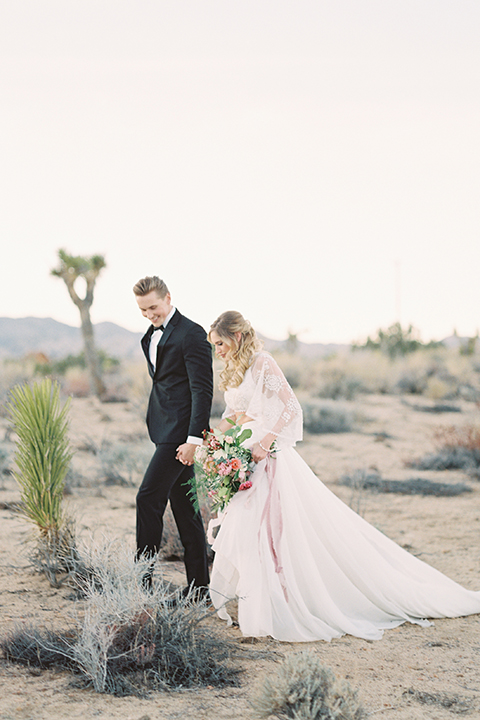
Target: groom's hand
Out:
[185,453]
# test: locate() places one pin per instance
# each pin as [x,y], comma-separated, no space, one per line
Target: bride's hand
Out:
[258,453]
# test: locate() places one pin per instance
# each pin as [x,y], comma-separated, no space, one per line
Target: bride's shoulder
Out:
[261,359]
[260,356]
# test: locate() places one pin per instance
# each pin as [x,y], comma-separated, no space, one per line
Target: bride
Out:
[303,565]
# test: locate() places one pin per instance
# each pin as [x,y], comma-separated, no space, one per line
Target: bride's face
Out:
[222,349]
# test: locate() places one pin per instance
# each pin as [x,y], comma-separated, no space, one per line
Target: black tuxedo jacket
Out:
[182,389]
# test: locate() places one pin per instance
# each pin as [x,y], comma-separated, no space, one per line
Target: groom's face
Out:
[154,308]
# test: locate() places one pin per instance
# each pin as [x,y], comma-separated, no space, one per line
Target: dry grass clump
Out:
[459,449]
[363,479]
[437,373]
[129,640]
[456,704]
[324,416]
[305,689]
[4,466]
[467,436]
[123,463]
[437,408]
[13,372]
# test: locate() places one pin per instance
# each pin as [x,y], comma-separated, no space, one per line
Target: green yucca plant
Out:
[42,460]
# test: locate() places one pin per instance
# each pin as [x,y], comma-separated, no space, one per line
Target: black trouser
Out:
[167,479]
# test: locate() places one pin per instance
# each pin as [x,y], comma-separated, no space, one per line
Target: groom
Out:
[179,361]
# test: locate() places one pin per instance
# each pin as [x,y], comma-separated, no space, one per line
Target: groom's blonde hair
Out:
[149,284]
[227,325]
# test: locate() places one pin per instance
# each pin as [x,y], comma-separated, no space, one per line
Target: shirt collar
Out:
[169,316]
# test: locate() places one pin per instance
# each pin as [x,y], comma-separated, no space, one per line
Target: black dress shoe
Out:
[147,582]
[197,595]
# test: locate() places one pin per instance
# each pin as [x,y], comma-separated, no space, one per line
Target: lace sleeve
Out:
[273,402]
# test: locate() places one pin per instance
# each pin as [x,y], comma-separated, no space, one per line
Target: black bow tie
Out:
[158,328]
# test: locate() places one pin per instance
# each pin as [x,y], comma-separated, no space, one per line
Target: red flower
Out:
[247,484]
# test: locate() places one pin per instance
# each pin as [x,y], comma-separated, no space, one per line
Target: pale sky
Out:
[314,164]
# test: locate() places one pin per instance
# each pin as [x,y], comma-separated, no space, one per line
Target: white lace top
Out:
[265,396]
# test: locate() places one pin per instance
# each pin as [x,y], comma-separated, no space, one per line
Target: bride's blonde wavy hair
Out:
[227,325]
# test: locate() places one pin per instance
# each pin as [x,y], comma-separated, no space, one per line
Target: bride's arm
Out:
[225,423]
[275,402]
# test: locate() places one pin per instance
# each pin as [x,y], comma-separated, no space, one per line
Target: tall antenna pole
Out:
[398,291]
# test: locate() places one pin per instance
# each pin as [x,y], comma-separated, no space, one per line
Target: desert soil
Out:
[395,676]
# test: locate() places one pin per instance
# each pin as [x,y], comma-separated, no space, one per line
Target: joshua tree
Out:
[72,267]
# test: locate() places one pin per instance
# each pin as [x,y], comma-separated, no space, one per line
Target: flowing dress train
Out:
[303,565]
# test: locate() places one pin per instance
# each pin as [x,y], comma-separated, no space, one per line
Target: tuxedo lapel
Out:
[145,342]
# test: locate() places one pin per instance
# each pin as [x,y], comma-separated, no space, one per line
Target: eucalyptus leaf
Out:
[244,435]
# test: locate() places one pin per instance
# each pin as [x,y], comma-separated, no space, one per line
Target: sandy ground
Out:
[442,660]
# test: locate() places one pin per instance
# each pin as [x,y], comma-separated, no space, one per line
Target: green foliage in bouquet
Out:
[223,466]
[42,459]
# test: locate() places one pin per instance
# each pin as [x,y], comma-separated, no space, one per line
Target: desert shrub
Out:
[121,463]
[469,392]
[411,382]
[59,367]
[292,369]
[305,689]
[337,384]
[397,341]
[437,372]
[4,466]
[12,373]
[370,480]
[457,705]
[468,345]
[458,449]
[446,459]
[76,382]
[438,389]
[322,416]
[129,640]
[42,459]
[437,408]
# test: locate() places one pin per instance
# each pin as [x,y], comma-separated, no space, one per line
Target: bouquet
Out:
[223,465]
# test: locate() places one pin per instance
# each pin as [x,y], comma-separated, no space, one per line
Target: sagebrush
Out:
[129,639]
[305,689]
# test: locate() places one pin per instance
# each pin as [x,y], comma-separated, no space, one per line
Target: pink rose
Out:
[245,485]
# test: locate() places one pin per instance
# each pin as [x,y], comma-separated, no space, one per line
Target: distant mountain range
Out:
[22,336]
